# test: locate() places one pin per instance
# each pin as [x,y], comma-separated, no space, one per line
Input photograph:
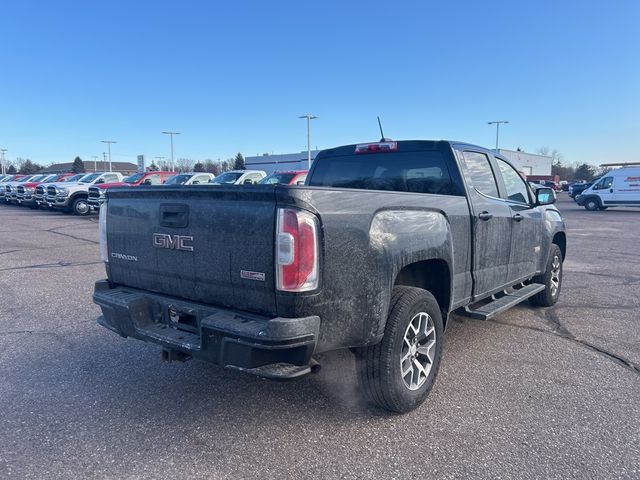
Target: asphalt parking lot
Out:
[536,393]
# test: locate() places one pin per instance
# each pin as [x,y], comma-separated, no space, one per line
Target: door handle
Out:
[485,216]
[517,217]
[611,190]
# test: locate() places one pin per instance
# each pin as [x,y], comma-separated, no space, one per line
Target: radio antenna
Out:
[382,139]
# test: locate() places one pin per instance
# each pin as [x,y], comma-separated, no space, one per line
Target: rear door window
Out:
[416,172]
[517,190]
[153,179]
[201,179]
[110,178]
[480,173]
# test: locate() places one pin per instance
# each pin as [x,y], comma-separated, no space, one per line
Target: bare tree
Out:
[555,154]
[185,164]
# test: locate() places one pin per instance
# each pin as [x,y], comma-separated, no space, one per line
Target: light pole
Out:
[109,142]
[497,124]
[104,160]
[171,134]
[4,168]
[309,117]
[95,162]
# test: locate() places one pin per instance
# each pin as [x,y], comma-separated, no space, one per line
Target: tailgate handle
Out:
[174,216]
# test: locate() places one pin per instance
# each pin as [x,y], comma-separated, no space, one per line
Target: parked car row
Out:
[81,194]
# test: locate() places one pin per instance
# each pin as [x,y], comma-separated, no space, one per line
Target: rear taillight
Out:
[296,251]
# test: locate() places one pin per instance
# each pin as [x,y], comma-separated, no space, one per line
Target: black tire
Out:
[380,366]
[592,204]
[549,296]
[80,206]
[603,208]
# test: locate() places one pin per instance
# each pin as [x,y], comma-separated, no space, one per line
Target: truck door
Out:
[491,222]
[604,189]
[526,224]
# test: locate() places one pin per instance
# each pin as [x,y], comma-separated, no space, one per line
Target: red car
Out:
[294,177]
[97,192]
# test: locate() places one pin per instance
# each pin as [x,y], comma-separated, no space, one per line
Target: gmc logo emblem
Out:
[173,242]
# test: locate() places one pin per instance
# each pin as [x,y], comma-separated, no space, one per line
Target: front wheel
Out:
[80,206]
[551,278]
[592,204]
[398,373]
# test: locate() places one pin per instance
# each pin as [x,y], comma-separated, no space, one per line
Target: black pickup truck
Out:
[373,253]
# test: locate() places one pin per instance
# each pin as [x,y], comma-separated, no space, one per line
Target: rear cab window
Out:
[431,171]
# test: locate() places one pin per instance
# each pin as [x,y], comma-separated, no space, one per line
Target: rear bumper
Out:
[222,336]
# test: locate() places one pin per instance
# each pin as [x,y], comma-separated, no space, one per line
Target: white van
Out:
[618,188]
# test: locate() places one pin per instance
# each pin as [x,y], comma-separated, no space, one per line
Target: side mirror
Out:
[100,181]
[545,196]
[301,182]
[248,181]
[195,182]
[147,182]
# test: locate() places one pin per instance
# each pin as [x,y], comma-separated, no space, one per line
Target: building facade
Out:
[529,163]
[280,162]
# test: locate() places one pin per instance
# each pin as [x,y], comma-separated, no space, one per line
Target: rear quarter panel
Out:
[367,237]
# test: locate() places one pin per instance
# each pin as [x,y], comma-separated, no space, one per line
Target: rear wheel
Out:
[592,204]
[398,373]
[551,278]
[80,206]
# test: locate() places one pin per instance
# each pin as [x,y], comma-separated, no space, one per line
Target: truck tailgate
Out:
[210,244]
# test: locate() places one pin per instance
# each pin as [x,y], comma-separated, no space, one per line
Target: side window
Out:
[480,173]
[301,179]
[606,182]
[110,178]
[202,179]
[152,180]
[516,187]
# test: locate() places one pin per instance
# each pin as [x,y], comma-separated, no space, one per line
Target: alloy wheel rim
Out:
[555,275]
[418,348]
[82,207]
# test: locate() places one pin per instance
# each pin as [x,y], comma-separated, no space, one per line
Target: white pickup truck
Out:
[73,196]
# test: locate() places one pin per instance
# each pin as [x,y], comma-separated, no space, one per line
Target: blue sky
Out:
[234,76]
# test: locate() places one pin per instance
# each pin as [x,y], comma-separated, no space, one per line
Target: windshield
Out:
[178,179]
[133,178]
[74,178]
[277,178]
[228,177]
[28,179]
[89,178]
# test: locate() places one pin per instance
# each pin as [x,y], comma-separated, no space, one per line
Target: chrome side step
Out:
[498,304]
